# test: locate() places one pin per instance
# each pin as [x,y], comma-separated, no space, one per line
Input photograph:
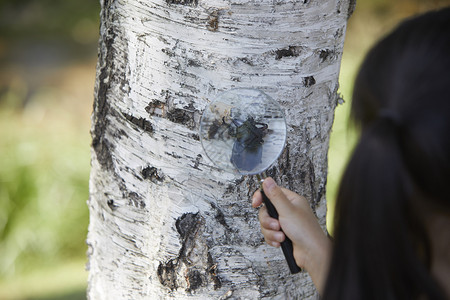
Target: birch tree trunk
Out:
[164,222]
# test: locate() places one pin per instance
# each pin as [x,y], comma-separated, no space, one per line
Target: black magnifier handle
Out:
[286,246]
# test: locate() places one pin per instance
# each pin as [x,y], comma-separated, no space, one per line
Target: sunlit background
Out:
[48,52]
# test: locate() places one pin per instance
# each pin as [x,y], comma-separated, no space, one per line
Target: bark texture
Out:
[164,222]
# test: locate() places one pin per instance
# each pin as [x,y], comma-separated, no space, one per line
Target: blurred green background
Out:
[47,72]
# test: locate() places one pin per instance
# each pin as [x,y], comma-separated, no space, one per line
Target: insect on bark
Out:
[247,148]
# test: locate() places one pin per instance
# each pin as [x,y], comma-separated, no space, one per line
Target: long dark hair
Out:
[399,169]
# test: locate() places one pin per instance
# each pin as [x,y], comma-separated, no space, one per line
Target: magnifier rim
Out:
[282,145]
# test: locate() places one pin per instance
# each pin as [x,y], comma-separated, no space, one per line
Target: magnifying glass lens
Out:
[243,130]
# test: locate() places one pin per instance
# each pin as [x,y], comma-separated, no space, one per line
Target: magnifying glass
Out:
[244,132]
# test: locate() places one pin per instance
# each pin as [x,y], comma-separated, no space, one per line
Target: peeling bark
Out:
[164,222]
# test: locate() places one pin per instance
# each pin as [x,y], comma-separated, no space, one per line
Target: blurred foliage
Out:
[47,59]
[43,191]
[40,34]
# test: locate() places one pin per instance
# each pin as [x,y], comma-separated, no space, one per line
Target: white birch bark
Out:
[164,222]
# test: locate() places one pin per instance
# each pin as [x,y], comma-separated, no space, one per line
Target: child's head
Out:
[405,79]
[400,169]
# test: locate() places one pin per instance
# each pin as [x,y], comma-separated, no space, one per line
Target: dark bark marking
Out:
[183,2]
[194,280]
[213,21]
[351,8]
[113,206]
[307,177]
[193,63]
[110,72]
[246,61]
[193,256]
[191,88]
[309,81]
[103,149]
[197,161]
[142,123]
[184,116]
[321,191]
[212,267]
[272,172]
[153,174]
[220,217]
[166,109]
[291,51]
[232,187]
[186,224]
[168,52]
[120,133]
[106,3]
[286,168]
[312,180]
[173,154]
[155,105]
[286,154]
[324,54]
[135,200]
[178,115]
[195,136]
[167,274]
[339,33]
[101,108]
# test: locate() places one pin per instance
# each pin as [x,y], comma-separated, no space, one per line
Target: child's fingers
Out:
[272,237]
[266,221]
[283,205]
[257,199]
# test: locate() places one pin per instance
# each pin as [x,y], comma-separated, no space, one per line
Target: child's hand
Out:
[312,248]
